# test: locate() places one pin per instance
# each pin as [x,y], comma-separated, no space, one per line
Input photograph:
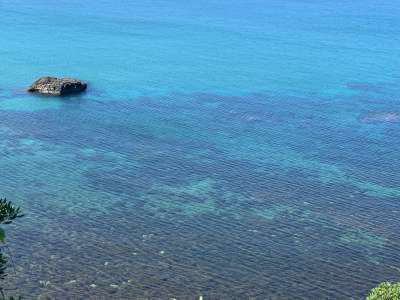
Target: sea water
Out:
[228,149]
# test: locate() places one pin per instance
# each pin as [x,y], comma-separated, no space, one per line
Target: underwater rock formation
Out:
[57,86]
[381,117]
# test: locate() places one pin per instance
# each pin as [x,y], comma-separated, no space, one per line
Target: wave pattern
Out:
[184,195]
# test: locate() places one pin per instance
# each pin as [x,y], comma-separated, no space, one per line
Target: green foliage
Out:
[385,291]
[3,274]
[3,262]
[8,211]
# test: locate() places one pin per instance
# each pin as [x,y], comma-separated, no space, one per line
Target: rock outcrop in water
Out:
[57,86]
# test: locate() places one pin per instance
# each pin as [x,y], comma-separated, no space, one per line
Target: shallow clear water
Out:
[231,150]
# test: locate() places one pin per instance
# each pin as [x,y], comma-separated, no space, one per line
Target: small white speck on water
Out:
[106,263]
[92,285]
[71,282]
[44,283]
[147,236]
[162,252]
[115,286]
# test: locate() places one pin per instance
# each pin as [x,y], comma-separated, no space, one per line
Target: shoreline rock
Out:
[54,86]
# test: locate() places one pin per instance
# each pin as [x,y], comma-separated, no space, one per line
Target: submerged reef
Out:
[385,117]
[57,86]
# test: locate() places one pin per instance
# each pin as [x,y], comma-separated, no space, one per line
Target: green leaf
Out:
[2,235]
[8,211]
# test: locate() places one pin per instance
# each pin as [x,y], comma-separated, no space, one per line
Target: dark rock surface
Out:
[57,86]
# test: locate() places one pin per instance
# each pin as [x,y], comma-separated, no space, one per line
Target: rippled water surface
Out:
[235,150]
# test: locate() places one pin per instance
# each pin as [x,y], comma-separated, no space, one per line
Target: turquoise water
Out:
[230,150]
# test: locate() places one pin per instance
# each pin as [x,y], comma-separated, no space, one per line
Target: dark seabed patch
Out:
[383,88]
[366,87]
[381,117]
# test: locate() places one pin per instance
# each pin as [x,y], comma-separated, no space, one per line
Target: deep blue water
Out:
[230,149]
